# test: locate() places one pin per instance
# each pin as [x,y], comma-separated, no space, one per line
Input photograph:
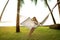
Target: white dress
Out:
[27,22]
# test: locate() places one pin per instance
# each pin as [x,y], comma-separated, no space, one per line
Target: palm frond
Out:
[32,0]
[21,2]
[45,2]
[35,1]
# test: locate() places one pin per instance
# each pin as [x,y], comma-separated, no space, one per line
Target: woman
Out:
[30,23]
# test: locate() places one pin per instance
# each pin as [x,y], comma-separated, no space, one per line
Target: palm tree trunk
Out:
[58,6]
[3,10]
[51,13]
[17,18]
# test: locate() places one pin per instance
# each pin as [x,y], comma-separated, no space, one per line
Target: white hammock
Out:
[26,21]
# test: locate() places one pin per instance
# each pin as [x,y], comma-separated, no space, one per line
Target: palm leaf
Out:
[35,1]
[21,2]
[45,2]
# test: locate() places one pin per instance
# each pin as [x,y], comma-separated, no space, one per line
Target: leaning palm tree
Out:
[19,3]
[3,10]
[58,1]
[50,11]
[48,8]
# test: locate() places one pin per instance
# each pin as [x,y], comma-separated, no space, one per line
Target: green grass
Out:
[40,33]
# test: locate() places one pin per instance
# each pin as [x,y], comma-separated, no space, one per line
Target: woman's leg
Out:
[31,31]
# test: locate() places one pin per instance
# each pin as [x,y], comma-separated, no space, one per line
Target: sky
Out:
[28,9]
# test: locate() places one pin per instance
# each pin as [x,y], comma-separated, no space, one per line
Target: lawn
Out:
[40,33]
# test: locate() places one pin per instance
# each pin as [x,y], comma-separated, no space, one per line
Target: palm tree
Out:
[58,1]
[17,18]
[19,3]
[50,11]
[3,10]
[48,8]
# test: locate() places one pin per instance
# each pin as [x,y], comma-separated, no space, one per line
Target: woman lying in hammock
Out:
[36,24]
[31,24]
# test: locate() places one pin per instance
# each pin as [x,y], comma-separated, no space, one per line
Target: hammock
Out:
[28,22]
